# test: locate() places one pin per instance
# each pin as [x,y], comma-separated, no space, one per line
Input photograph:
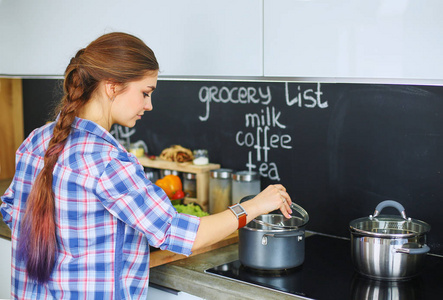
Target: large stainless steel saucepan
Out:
[388,247]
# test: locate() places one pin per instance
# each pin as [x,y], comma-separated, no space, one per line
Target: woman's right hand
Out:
[272,198]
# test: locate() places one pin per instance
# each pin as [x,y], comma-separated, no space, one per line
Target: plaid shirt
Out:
[107,214]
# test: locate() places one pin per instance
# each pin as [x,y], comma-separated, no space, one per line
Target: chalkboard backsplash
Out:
[340,149]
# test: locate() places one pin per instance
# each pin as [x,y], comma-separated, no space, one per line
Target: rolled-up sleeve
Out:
[6,207]
[127,194]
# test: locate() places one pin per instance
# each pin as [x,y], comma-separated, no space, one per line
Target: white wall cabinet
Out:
[395,39]
[355,39]
[194,37]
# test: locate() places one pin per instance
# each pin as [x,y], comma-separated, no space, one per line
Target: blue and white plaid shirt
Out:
[107,214]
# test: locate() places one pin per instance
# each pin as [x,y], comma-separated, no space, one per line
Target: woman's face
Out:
[130,105]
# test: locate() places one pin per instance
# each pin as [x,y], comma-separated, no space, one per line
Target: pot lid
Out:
[278,221]
[285,223]
[389,225]
[275,223]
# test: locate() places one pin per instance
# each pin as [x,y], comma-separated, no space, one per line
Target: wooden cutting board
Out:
[161,257]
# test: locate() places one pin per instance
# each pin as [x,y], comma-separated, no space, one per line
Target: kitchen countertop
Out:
[188,275]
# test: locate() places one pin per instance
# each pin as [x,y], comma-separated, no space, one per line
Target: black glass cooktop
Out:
[328,273]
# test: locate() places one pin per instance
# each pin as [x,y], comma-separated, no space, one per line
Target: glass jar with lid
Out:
[190,184]
[200,157]
[219,190]
[244,183]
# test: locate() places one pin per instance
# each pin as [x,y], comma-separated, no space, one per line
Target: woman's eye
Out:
[146,95]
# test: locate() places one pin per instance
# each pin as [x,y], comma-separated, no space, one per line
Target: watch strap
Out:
[241,221]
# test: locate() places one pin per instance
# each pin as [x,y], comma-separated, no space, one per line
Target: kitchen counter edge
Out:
[188,275]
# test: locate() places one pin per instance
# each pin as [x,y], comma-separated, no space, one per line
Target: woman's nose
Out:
[148,105]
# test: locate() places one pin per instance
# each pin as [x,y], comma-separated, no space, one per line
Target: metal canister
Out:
[165,172]
[244,183]
[219,190]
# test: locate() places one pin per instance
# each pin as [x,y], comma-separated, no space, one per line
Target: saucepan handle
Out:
[422,250]
[299,233]
[390,203]
[285,235]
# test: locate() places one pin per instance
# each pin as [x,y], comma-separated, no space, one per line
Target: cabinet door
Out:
[195,37]
[11,125]
[359,39]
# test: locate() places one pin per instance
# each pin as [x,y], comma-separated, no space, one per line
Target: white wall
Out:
[5,269]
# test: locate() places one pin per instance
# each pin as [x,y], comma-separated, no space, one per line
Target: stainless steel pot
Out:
[273,242]
[388,247]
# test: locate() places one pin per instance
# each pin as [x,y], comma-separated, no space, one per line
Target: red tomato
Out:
[178,194]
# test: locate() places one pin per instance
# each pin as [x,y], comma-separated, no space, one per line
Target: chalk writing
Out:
[264,119]
[259,134]
[305,99]
[235,95]
[122,134]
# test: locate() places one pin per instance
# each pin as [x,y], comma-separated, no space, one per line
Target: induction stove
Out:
[328,273]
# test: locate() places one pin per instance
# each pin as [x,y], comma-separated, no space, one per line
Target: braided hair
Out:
[117,57]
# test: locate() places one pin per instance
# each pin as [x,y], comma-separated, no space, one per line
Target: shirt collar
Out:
[94,128]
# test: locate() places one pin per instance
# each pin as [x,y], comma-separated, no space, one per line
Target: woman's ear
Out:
[111,89]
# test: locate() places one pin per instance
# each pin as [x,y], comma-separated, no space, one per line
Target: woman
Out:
[81,211]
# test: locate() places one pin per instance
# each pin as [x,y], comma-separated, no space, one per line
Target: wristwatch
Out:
[240,213]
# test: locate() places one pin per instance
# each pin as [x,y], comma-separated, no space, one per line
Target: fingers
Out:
[285,206]
[286,209]
[275,197]
[279,187]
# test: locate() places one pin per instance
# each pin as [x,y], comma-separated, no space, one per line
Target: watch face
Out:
[238,209]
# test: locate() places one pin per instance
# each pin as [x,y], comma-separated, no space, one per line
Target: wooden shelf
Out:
[187,167]
[201,172]
[160,257]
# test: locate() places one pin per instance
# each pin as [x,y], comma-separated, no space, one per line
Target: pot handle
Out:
[284,235]
[264,239]
[422,250]
[390,203]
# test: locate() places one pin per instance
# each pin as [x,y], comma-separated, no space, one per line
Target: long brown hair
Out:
[117,57]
